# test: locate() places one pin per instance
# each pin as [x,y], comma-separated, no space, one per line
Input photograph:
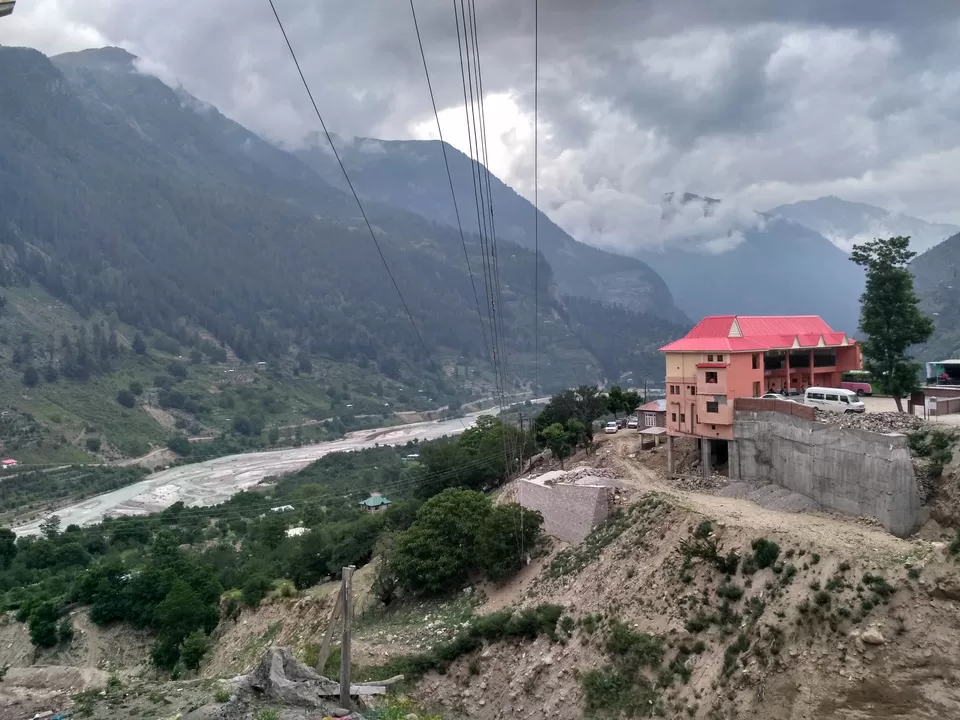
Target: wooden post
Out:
[346,588]
[328,638]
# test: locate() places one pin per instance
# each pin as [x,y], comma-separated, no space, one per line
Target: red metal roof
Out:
[747,333]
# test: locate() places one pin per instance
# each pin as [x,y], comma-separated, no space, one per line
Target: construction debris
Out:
[881,422]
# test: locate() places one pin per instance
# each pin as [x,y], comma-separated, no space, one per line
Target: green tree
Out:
[255,589]
[577,433]
[65,631]
[8,546]
[31,378]
[890,315]
[136,388]
[557,439]
[631,401]
[615,400]
[126,398]
[50,527]
[180,445]
[273,435]
[93,444]
[139,346]
[43,624]
[507,537]
[437,552]
[194,648]
[181,612]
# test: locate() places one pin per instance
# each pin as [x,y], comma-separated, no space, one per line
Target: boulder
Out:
[872,636]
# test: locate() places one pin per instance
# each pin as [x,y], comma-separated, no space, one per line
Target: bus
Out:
[858,381]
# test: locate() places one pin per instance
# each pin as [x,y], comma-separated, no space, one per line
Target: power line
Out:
[453,194]
[536,194]
[356,197]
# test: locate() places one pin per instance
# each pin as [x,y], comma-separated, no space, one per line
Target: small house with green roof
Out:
[375,503]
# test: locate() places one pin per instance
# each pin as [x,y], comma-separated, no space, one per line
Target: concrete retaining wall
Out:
[569,512]
[844,469]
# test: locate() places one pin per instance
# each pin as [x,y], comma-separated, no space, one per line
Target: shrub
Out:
[136,388]
[632,650]
[93,444]
[194,648]
[126,398]
[765,552]
[703,530]
[749,565]
[822,597]
[256,589]
[221,696]
[698,623]
[730,591]
[65,631]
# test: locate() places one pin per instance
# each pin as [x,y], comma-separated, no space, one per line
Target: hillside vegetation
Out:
[136,216]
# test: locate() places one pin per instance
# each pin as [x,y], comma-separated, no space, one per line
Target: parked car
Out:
[632,423]
[611,427]
[834,400]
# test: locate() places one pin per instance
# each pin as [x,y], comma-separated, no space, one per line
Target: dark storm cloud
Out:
[757,101]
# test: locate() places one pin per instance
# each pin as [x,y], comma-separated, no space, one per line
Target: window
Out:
[719,358]
[649,419]
[692,389]
[834,398]
[844,399]
[683,418]
[709,358]
[711,376]
[814,396]
[673,417]
[756,361]
[713,406]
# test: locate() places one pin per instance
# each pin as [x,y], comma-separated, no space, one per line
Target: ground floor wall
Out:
[843,469]
[569,511]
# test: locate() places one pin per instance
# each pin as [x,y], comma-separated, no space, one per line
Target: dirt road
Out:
[822,530]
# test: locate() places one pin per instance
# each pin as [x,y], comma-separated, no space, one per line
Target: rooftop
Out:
[375,501]
[654,406]
[751,333]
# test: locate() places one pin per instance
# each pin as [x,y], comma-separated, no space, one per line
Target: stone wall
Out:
[843,469]
[569,511]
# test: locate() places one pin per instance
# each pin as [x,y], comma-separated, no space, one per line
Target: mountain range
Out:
[130,208]
[846,223]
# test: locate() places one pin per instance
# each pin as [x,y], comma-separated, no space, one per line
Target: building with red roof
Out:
[725,357]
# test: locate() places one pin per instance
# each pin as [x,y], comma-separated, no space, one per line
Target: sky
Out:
[756,102]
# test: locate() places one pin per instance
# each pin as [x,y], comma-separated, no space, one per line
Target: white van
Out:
[834,400]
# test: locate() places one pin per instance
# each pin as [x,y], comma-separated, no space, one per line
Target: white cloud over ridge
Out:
[753,102]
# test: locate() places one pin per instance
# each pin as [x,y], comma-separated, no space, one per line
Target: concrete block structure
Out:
[570,510]
[843,469]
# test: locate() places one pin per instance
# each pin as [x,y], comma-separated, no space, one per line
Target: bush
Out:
[93,444]
[730,591]
[65,631]
[136,388]
[194,648]
[180,445]
[43,625]
[256,589]
[221,695]
[126,398]
[31,378]
[765,552]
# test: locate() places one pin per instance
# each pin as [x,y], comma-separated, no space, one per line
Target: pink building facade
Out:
[725,357]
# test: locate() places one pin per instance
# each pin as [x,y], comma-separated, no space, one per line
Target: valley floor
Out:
[849,622]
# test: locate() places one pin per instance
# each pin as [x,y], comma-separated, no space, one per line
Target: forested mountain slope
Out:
[410,174]
[128,208]
[937,282]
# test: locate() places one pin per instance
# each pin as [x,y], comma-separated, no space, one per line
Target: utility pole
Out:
[346,590]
